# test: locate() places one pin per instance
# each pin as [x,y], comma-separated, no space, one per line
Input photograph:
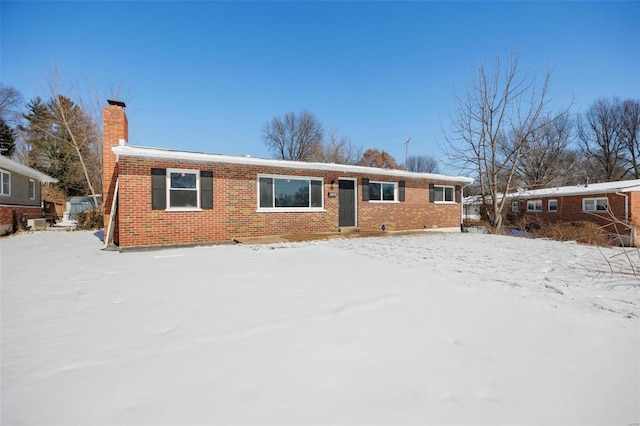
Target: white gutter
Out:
[15,167]
[130,151]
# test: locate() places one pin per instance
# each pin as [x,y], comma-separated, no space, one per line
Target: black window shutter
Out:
[206,190]
[158,189]
[401,190]
[458,193]
[431,193]
[365,189]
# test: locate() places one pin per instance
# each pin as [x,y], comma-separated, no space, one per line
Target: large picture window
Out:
[595,204]
[382,191]
[290,193]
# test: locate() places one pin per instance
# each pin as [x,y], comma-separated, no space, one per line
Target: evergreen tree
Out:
[7,139]
[53,150]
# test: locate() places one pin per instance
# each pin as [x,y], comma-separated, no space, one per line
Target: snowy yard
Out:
[433,329]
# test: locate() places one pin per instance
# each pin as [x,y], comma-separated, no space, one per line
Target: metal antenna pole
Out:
[406,150]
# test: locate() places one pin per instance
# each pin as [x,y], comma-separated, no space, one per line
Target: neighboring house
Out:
[162,197]
[613,205]
[472,208]
[20,194]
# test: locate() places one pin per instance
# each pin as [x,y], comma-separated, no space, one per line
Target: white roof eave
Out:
[130,151]
[21,169]
[597,188]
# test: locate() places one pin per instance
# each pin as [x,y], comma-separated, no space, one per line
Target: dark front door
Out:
[347,200]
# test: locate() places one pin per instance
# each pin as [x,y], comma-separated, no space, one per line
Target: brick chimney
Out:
[115,132]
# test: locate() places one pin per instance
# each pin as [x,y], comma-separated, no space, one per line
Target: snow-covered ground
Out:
[433,329]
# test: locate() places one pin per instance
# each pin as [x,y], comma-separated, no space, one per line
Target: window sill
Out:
[291,210]
[445,202]
[183,209]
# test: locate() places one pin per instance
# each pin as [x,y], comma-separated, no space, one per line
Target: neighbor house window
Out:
[5,183]
[290,193]
[181,189]
[595,204]
[32,189]
[515,207]
[552,206]
[534,205]
[443,194]
[382,191]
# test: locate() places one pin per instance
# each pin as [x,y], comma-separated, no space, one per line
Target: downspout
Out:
[626,218]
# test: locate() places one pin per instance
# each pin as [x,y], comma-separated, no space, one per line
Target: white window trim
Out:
[444,193]
[168,185]
[288,209]
[32,182]
[536,203]
[395,192]
[8,194]
[595,199]
[549,206]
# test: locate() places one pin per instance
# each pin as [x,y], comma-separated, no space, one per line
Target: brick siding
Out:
[235,203]
[7,213]
[570,210]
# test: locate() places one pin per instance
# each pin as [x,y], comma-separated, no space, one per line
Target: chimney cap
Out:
[116,103]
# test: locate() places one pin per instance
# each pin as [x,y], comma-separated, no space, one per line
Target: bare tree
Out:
[62,140]
[10,105]
[422,164]
[492,124]
[545,160]
[598,130]
[338,150]
[294,136]
[629,132]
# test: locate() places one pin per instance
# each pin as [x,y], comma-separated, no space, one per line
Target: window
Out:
[382,191]
[388,192]
[290,193]
[552,206]
[32,189]
[534,205]
[515,207]
[443,194]
[5,183]
[181,189]
[595,204]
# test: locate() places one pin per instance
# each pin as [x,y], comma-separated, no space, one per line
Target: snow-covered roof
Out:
[161,153]
[12,166]
[592,188]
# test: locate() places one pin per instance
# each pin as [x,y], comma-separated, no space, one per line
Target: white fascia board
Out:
[131,151]
[596,188]
[21,169]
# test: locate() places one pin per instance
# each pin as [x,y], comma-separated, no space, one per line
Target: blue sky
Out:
[206,76]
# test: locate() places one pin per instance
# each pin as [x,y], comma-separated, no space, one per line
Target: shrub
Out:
[90,219]
[584,232]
